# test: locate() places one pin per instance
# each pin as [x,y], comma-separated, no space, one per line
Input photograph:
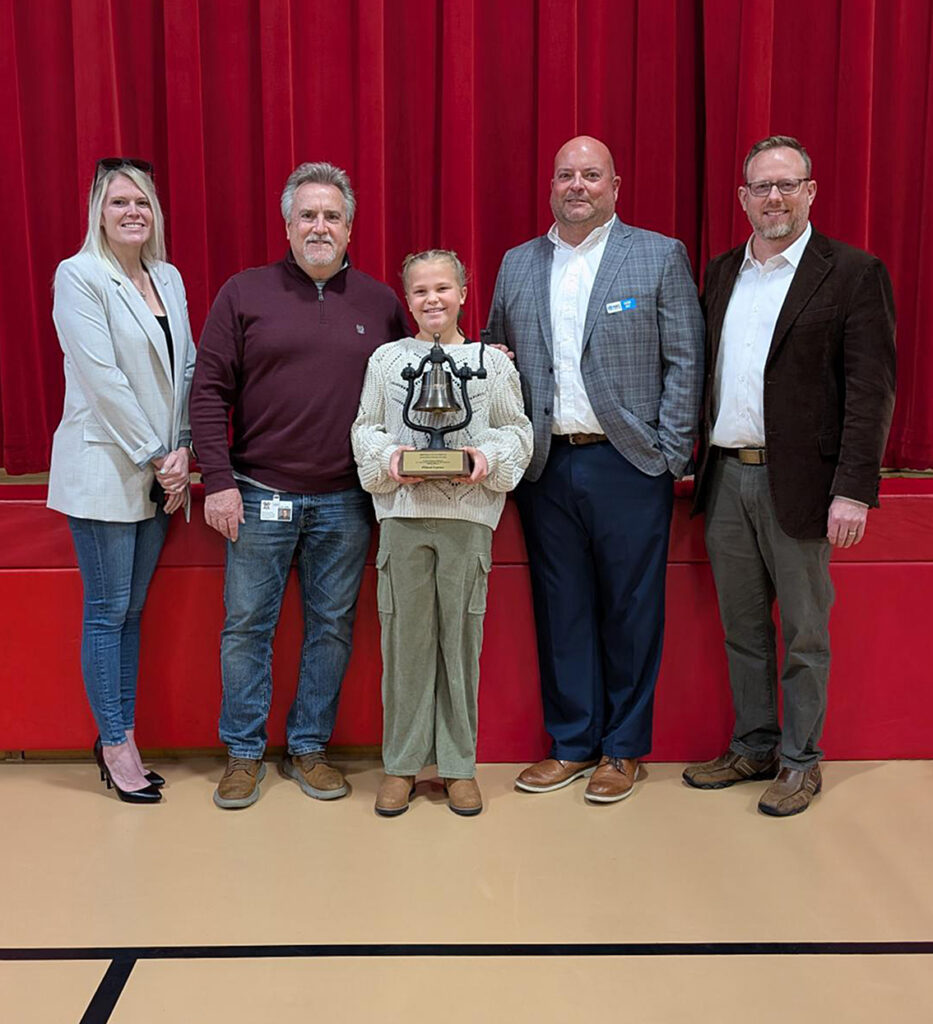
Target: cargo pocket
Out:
[384,600]
[477,605]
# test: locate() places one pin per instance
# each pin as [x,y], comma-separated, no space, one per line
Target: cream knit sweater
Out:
[499,429]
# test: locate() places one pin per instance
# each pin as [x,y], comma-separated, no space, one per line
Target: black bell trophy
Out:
[438,398]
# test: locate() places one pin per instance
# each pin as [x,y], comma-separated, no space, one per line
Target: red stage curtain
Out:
[853,81]
[447,114]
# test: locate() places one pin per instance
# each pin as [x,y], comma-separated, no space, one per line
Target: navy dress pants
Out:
[596,529]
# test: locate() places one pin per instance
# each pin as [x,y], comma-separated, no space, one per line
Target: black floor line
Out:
[108,991]
[130,954]
[123,959]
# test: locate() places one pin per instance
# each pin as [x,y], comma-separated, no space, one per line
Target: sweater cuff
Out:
[217,480]
[492,463]
[159,453]
[385,458]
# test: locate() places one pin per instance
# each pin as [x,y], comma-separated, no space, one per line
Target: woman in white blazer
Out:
[120,454]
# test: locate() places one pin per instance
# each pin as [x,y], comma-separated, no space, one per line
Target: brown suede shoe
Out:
[395,792]
[552,774]
[613,780]
[239,786]
[728,769]
[791,792]
[463,796]
[315,776]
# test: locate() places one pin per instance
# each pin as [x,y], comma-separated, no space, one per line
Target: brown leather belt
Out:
[747,456]
[578,439]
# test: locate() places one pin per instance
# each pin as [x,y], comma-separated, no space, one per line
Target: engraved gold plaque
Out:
[436,462]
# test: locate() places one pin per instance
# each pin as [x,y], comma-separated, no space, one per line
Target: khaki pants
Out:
[433,576]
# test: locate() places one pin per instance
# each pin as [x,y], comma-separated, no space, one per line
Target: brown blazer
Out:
[829,381]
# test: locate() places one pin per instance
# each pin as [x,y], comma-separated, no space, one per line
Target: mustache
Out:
[319,239]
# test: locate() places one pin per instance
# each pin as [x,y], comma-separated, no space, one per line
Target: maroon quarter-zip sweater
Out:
[289,362]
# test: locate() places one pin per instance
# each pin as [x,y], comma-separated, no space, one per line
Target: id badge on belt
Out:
[275,510]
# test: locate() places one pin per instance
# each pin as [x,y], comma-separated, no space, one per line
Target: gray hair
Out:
[429,256]
[95,241]
[777,142]
[320,173]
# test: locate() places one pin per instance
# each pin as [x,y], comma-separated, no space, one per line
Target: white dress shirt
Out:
[738,386]
[573,272]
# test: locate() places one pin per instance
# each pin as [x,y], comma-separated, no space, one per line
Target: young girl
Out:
[435,539]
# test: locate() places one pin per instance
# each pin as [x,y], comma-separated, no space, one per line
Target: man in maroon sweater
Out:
[285,349]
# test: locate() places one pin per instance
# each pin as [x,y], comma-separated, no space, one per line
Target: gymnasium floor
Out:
[673,906]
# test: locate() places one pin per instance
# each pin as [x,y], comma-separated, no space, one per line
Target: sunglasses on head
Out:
[113,163]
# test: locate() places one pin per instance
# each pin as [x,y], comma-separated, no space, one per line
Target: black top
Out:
[163,323]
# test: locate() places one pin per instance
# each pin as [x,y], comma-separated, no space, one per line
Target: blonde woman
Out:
[120,454]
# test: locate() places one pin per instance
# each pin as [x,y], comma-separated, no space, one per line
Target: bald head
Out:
[584,188]
[587,147]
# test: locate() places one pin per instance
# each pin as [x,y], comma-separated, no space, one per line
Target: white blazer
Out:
[122,402]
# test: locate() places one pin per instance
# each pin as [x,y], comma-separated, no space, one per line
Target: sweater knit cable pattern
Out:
[499,429]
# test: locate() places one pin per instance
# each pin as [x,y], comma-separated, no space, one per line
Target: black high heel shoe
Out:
[153,778]
[148,795]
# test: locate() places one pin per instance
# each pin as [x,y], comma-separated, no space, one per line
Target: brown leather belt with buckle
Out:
[747,456]
[578,439]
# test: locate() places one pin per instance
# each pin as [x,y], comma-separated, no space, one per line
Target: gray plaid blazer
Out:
[642,363]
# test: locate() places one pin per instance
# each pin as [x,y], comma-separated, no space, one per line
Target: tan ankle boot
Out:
[463,796]
[394,794]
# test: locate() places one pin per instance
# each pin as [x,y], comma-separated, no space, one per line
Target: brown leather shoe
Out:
[613,780]
[730,768]
[395,792]
[315,776]
[791,792]
[552,774]
[239,786]
[463,796]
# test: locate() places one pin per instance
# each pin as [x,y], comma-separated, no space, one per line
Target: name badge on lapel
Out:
[617,307]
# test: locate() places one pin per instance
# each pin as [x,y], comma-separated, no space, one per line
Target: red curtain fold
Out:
[447,114]
[853,81]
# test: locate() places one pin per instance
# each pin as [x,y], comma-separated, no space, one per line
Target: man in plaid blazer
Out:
[607,333]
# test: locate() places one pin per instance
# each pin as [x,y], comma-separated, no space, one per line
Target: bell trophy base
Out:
[436,462]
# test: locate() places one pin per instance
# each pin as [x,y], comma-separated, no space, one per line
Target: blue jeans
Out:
[117,561]
[330,535]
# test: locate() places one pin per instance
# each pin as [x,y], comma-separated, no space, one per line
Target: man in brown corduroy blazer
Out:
[797,406]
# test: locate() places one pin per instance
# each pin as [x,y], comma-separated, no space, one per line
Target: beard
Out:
[316,258]
[775,231]
[793,224]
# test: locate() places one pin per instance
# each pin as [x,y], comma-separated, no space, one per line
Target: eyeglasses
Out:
[786,186]
[113,163]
